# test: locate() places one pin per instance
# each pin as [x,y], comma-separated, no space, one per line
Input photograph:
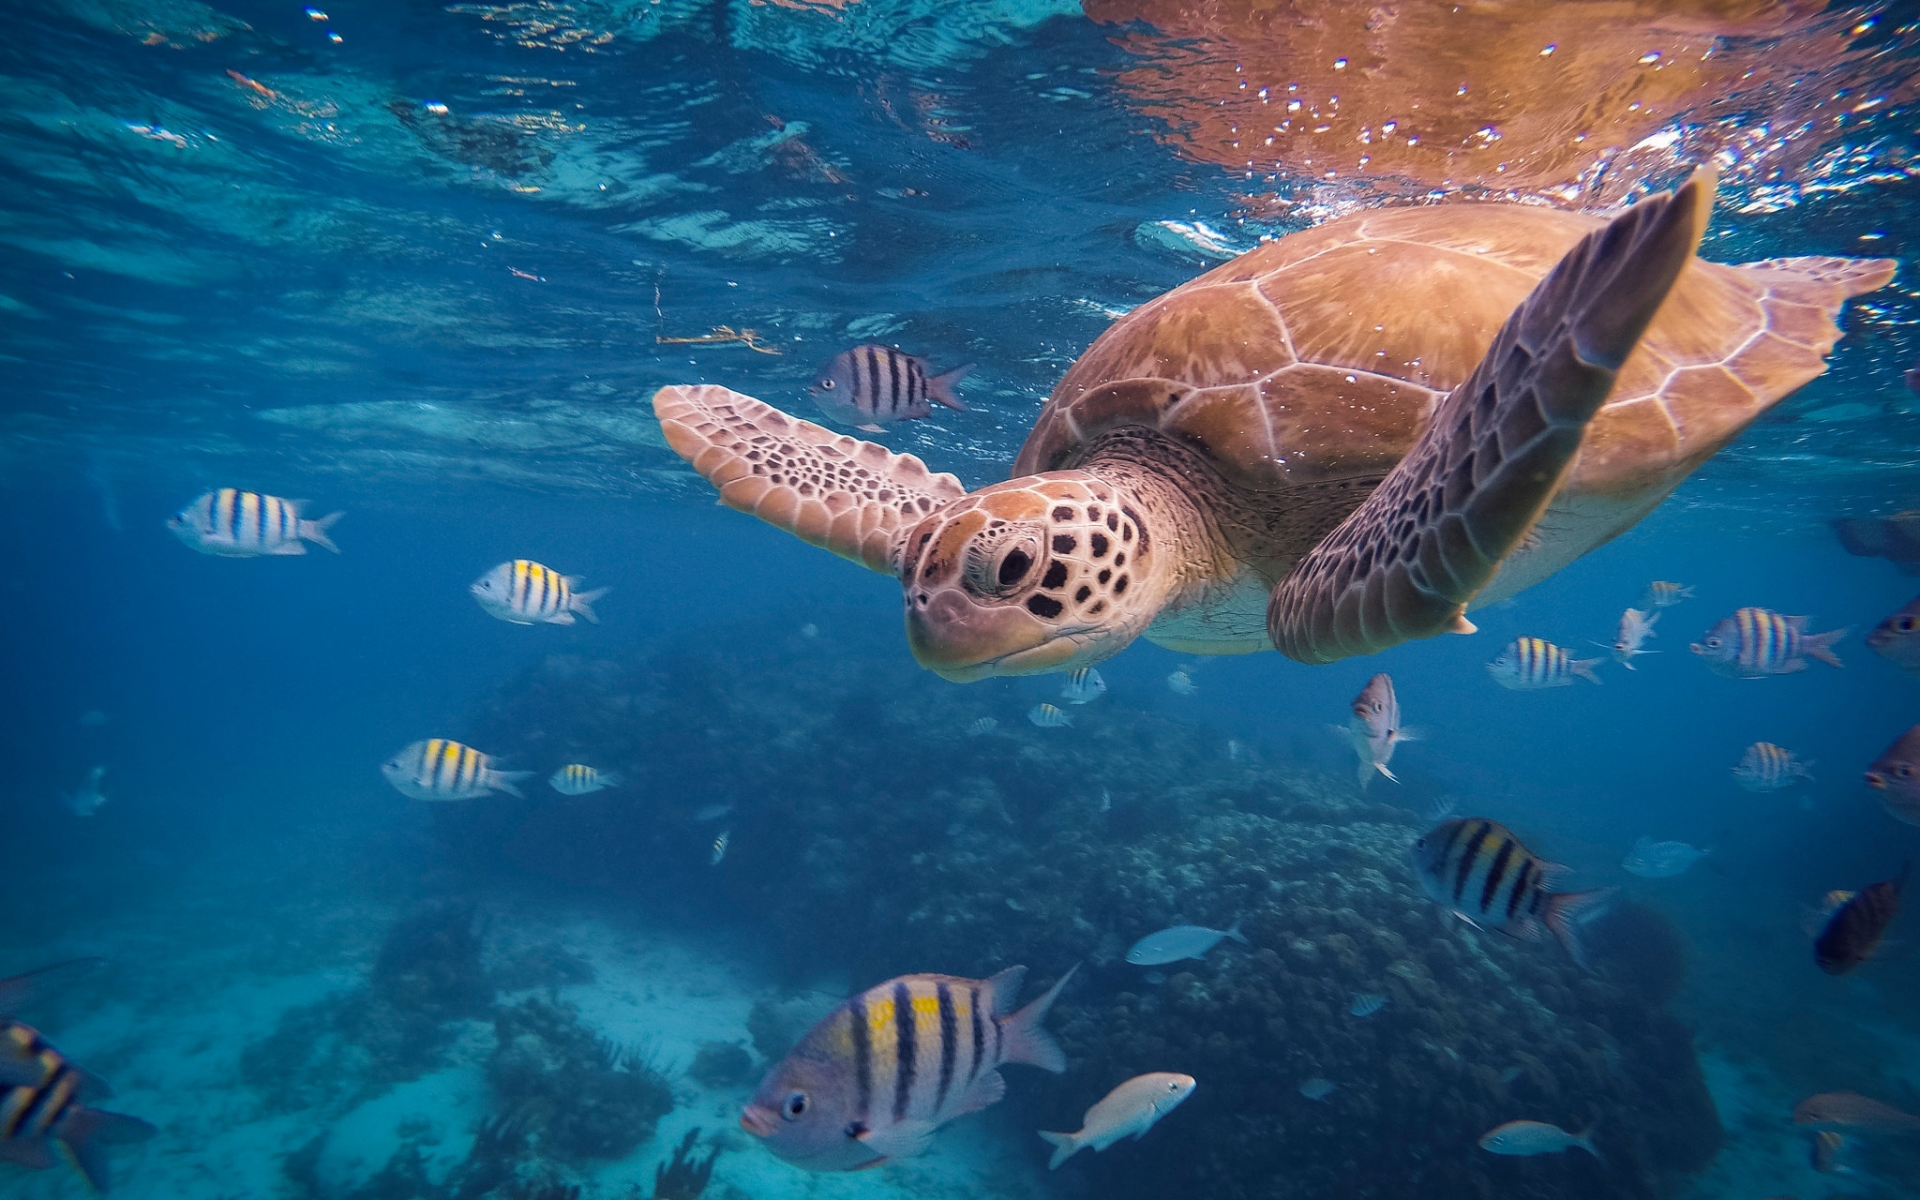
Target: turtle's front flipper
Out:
[1407,561]
[825,488]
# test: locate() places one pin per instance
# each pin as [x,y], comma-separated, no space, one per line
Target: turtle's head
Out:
[1045,573]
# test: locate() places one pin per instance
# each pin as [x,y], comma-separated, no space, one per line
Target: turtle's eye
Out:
[1001,565]
[794,1106]
[1014,567]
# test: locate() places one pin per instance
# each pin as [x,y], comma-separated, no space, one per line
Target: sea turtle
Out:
[1336,442]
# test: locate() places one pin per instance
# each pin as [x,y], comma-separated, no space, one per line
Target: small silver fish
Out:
[1660,860]
[720,848]
[711,812]
[1083,686]
[88,798]
[1754,643]
[1181,942]
[1664,594]
[809,630]
[983,726]
[1181,684]
[1317,1088]
[524,592]
[1766,767]
[1525,1139]
[1897,639]
[443,769]
[1636,627]
[578,779]
[1375,728]
[1106,800]
[1047,716]
[1366,1004]
[871,386]
[236,524]
[1530,662]
[1127,1111]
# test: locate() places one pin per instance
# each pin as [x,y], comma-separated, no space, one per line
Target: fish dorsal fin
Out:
[852,497]
[1006,989]
[1409,560]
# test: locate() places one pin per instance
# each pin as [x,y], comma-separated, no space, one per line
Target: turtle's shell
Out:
[1321,356]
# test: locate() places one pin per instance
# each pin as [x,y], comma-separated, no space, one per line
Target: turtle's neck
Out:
[1177,492]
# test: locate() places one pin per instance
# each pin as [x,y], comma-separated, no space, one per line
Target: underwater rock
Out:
[721,1064]
[583,1098]
[872,835]
[430,962]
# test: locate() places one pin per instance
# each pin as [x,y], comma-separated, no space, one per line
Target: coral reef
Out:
[871,834]
[721,1064]
[430,962]
[582,1098]
[685,1176]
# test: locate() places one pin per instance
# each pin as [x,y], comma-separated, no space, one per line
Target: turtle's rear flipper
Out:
[1406,562]
[825,488]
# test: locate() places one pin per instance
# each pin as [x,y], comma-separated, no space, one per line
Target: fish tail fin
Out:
[1233,930]
[1065,1146]
[613,779]
[1027,1041]
[1567,911]
[1820,645]
[508,782]
[1382,769]
[1583,667]
[85,1133]
[1804,770]
[583,603]
[940,388]
[1584,1140]
[1365,775]
[315,531]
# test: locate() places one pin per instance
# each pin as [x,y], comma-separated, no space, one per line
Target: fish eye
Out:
[1903,771]
[826,385]
[1713,643]
[1904,624]
[796,1104]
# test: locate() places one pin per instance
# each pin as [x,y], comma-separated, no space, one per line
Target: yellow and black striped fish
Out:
[41,1111]
[237,524]
[578,779]
[1532,662]
[443,769]
[1756,642]
[1766,767]
[1477,868]
[879,1074]
[528,593]
[870,386]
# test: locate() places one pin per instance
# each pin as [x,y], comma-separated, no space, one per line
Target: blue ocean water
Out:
[427,264]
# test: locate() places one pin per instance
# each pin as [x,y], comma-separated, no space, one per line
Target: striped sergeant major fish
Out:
[1663,593]
[870,386]
[880,1073]
[1756,642]
[1481,872]
[1766,767]
[236,524]
[443,769]
[1083,686]
[1532,662]
[41,1093]
[578,779]
[528,593]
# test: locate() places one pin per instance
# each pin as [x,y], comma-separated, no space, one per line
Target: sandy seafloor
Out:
[198,976]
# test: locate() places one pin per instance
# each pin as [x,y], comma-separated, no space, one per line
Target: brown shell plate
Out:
[1320,356]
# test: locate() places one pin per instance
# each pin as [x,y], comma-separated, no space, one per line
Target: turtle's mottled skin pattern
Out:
[1187,466]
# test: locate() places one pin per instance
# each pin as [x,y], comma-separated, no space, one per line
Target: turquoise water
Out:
[427,265]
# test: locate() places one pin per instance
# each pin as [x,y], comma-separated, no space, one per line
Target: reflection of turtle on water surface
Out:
[1331,444]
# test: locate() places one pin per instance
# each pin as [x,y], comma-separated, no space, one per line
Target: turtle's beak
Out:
[962,641]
